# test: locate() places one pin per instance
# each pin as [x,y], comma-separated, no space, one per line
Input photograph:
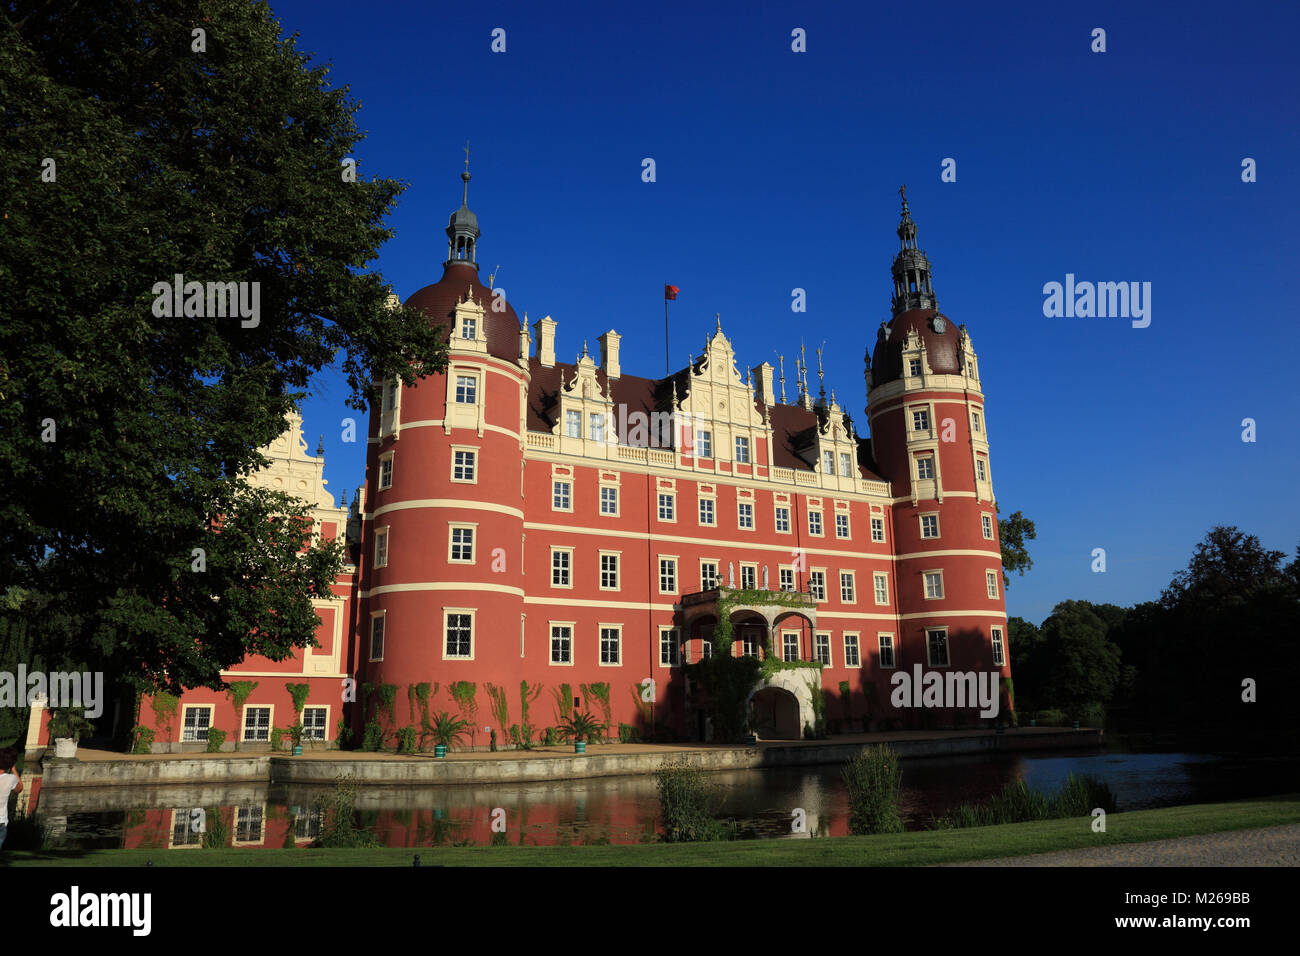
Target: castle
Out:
[532,525]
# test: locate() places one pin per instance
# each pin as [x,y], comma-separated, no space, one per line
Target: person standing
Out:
[9,783]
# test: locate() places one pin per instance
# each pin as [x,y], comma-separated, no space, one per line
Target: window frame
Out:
[570,627]
[567,551]
[947,650]
[881,637]
[447,613]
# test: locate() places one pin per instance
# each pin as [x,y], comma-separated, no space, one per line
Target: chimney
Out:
[609,353]
[545,329]
[763,383]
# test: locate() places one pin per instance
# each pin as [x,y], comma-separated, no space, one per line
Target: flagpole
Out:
[667,366]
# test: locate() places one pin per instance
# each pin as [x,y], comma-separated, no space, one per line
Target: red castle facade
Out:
[565,536]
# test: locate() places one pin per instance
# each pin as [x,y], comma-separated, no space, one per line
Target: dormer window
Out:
[828,462]
[573,424]
[914,367]
[469,328]
[845,470]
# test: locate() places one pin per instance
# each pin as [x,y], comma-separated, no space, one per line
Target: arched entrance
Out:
[774,714]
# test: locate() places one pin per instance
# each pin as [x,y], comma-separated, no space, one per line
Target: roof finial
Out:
[821,375]
[902,191]
[320,446]
[465,176]
[781,358]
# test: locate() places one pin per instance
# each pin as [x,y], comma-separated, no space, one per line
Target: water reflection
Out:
[623,810]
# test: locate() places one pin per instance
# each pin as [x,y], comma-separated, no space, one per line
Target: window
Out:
[914,367]
[846,468]
[877,529]
[817,584]
[847,587]
[248,824]
[314,722]
[561,496]
[934,584]
[937,645]
[377,637]
[667,576]
[920,420]
[975,421]
[611,645]
[929,526]
[609,572]
[561,644]
[882,587]
[307,825]
[815,523]
[822,648]
[745,516]
[462,545]
[597,426]
[667,508]
[704,445]
[748,576]
[390,396]
[561,569]
[789,646]
[462,468]
[466,390]
[742,450]
[841,525]
[925,467]
[573,424]
[706,650]
[782,519]
[998,659]
[381,547]
[707,516]
[183,832]
[786,578]
[708,575]
[197,721]
[991,579]
[980,471]
[851,656]
[460,635]
[986,525]
[386,472]
[257,723]
[887,650]
[749,642]
[608,500]
[469,328]
[828,463]
[668,647]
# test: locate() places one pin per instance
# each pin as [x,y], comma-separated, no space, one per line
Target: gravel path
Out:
[1266,846]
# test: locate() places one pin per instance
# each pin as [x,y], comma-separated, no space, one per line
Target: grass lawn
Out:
[904,849]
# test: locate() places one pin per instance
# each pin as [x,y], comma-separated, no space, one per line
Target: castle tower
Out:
[930,439]
[442,544]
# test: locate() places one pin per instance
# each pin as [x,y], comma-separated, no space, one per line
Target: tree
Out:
[1025,642]
[126,437]
[1082,665]
[1013,532]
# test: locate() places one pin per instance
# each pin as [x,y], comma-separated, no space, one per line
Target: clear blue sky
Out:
[778,170]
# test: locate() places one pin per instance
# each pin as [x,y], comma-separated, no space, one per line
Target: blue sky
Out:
[778,170]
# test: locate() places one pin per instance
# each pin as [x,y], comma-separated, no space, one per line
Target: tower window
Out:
[914,367]
[980,471]
[386,472]
[920,420]
[463,463]
[937,645]
[459,636]
[561,644]
[925,467]
[934,584]
[986,525]
[998,659]
[466,389]
[462,545]
[469,328]
[929,526]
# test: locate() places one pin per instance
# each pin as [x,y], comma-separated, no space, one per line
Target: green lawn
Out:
[904,849]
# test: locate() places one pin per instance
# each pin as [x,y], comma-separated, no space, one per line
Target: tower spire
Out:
[911,269]
[462,228]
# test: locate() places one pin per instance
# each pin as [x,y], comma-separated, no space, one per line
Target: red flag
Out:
[670,292]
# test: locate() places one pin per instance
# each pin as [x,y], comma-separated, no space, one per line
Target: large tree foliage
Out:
[1082,666]
[126,439]
[1013,532]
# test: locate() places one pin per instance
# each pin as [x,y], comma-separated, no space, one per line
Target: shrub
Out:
[277,734]
[406,740]
[446,729]
[142,740]
[627,734]
[874,781]
[337,817]
[1079,796]
[550,737]
[1093,715]
[687,804]
[1051,718]
[373,738]
[1017,803]
[215,739]
[216,834]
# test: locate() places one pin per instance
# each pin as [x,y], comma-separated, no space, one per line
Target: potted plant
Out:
[67,726]
[446,730]
[580,728]
[295,734]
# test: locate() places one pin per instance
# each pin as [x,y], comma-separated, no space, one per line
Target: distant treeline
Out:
[1225,630]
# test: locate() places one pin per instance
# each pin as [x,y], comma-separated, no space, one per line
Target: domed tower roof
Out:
[914,308]
[459,277]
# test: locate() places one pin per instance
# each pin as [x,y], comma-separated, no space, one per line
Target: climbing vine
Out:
[299,694]
[239,691]
[164,707]
[563,702]
[526,697]
[500,707]
[599,692]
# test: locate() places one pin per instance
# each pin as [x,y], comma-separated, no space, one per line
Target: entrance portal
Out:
[775,714]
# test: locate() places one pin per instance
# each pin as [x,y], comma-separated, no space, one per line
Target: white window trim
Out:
[713,510]
[857,639]
[618,571]
[370,635]
[789,519]
[389,458]
[573,643]
[672,504]
[920,524]
[382,532]
[659,654]
[893,648]
[925,588]
[876,576]
[752,523]
[473,633]
[947,647]
[993,645]
[717,572]
[600,643]
[600,500]
[853,585]
[473,450]
[185,709]
[459,373]
[991,578]
[562,481]
[234,825]
[821,523]
[992,527]
[825,595]
[830,653]
[753,565]
[270,725]
[327,709]
[677,576]
[562,550]
[472,527]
